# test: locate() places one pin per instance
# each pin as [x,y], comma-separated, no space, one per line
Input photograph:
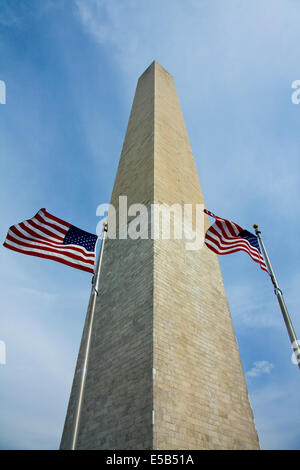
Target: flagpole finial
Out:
[257,231]
[105,226]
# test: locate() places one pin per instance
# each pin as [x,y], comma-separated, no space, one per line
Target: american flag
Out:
[224,237]
[47,236]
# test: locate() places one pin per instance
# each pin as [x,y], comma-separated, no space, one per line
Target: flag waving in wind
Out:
[224,237]
[47,236]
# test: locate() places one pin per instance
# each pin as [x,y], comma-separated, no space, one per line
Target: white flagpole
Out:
[279,295]
[93,298]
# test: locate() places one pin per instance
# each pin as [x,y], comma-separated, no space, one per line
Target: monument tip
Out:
[155,65]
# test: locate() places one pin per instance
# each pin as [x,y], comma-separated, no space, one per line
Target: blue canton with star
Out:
[75,236]
[252,239]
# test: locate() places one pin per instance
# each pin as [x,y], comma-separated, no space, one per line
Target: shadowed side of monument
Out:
[117,405]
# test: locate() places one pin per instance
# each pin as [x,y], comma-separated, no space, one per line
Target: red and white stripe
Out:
[43,236]
[222,238]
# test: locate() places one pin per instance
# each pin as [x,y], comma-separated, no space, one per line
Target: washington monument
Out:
[164,370]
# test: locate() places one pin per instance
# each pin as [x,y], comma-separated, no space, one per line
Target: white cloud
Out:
[48,296]
[276,410]
[260,368]
[228,66]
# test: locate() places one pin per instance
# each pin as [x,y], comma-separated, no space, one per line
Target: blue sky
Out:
[71,69]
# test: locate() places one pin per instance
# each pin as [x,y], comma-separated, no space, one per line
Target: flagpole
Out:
[92,303]
[279,295]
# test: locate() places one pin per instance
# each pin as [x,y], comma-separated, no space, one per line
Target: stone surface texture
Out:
[164,369]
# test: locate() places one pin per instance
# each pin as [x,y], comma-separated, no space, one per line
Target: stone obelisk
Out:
[164,369]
